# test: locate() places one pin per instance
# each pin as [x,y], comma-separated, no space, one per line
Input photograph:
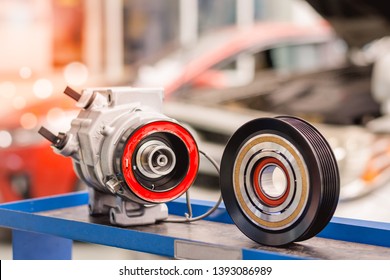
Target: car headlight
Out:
[363,159]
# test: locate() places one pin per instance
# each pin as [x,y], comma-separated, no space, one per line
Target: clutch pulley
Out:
[279,180]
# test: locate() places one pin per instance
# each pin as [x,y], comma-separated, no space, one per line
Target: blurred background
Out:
[221,62]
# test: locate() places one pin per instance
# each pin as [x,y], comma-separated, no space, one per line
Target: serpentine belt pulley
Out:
[279,180]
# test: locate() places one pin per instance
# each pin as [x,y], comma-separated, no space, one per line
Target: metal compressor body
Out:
[132,157]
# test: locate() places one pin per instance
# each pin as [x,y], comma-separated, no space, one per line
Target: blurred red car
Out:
[232,56]
[28,166]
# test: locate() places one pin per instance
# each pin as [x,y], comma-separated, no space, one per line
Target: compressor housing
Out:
[132,157]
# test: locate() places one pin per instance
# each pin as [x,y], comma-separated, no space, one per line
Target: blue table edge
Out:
[22,215]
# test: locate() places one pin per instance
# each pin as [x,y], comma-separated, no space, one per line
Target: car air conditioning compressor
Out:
[132,157]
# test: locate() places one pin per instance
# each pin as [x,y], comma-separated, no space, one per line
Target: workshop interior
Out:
[224,125]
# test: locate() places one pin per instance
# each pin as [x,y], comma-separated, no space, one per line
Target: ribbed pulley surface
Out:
[279,180]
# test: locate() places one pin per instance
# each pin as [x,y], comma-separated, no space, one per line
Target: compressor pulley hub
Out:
[155,159]
[158,161]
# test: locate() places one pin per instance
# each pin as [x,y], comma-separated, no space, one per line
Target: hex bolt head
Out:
[113,185]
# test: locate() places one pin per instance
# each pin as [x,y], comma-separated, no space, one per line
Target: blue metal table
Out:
[45,228]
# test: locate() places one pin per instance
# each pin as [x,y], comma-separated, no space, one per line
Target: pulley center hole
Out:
[273,181]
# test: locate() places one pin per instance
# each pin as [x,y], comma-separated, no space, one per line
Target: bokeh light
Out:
[43,88]
[76,74]
[5,139]
[28,121]
[25,72]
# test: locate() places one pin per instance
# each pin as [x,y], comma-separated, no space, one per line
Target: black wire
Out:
[188,216]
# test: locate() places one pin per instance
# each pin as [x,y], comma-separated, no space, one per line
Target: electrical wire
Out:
[188,216]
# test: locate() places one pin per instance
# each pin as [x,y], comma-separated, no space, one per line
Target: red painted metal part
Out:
[182,187]
[258,188]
